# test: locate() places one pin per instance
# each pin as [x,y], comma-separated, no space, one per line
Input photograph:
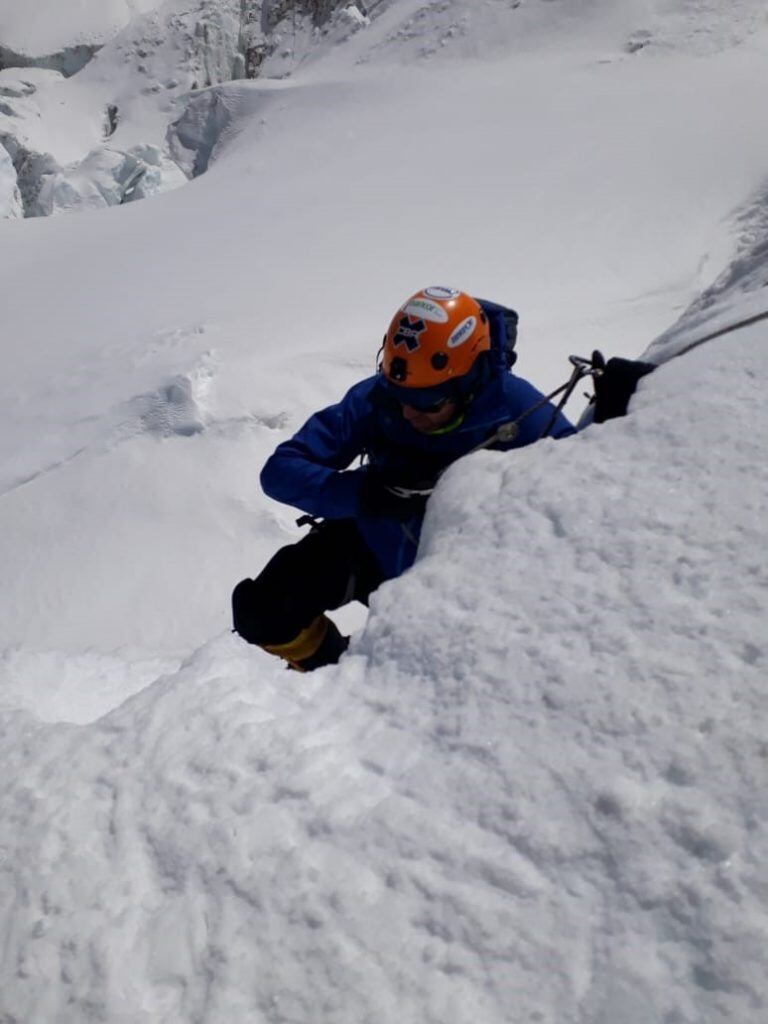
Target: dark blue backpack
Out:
[503,324]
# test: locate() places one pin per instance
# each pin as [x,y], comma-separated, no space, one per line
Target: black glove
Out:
[387,501]
[615,385]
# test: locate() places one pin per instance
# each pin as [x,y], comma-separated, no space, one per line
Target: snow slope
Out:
[54,26]
[533,790]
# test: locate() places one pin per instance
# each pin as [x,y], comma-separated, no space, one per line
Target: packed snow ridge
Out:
[529,792]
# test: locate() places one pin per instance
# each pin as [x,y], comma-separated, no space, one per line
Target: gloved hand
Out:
[615,385]
[387,501]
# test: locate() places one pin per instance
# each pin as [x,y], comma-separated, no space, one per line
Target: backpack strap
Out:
[503,324]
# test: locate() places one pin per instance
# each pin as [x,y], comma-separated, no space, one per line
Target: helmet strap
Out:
[479,376]
[457,420]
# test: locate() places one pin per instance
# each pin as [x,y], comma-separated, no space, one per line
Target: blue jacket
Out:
[310,471]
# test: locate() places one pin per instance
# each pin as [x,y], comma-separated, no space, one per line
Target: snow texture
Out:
[534,789]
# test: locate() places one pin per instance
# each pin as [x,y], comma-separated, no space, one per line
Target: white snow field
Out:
[44,27]
[534,790]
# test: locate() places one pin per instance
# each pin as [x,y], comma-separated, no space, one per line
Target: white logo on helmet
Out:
[443,294]
[463,332]
[425,310]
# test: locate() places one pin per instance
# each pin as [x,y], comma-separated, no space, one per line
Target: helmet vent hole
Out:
[398,369]
[439,361]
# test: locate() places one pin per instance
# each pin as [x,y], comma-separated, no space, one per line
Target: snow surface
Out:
[44,27]
[534,790]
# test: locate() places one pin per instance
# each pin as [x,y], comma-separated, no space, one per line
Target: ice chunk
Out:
[100,180]
[67,61]
[353,14]
[194,137]
[10,197]
[109,177]
[160,174]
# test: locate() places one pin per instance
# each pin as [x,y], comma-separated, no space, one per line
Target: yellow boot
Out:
[319,644]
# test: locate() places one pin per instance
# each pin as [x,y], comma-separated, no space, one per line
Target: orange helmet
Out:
[434,339]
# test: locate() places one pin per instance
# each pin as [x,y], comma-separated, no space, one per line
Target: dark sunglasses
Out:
[426,400]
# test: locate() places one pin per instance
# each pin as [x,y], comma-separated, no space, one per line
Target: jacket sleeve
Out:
[522,396]
[307,471]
